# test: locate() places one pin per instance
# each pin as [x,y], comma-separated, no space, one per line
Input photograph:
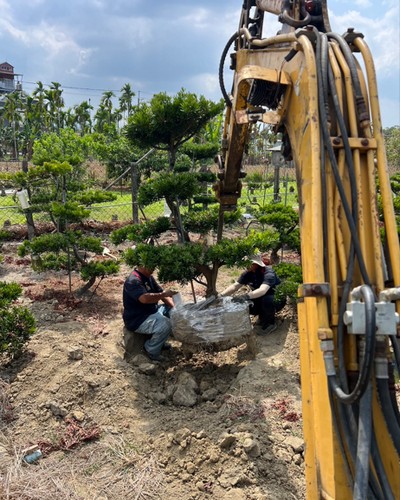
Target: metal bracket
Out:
[316,290]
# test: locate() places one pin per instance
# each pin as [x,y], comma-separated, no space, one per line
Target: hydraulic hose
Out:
[363,445]
[350,217]
[323,57]
[396,351]
[380,470]
[362,110]
[366,367]
[345,426]
[227,99]
[388,412]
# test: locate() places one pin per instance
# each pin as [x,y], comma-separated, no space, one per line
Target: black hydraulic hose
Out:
[352,177]
[380,470]
[363,112]
[388,412]
[326,134]
[342,308]
[363,445]
[346,430]
[396,351]
[366,368]
[322,57]
[392,390]
[370,340]
[227,99]
[343,434]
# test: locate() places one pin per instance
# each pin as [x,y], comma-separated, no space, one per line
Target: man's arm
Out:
[259,292]
[168,301]
[231,289]
[153,298]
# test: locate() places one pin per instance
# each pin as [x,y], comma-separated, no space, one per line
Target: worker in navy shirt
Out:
[142,311]
[262,280]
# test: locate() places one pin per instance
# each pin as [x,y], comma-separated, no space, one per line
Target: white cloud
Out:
[363,3]
[381,35]
[206,84]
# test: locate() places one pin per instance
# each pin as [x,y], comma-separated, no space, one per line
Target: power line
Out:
[86,88]
[75,88]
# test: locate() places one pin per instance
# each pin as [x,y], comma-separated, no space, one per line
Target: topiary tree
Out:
[166,124]
[194,261]
[17,323]
[285,222]
[62,190]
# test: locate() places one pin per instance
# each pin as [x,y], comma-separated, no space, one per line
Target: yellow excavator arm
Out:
[319,90]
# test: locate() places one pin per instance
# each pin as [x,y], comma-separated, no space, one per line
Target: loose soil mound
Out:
[223,425]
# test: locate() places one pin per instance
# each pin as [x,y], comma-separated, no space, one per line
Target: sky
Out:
[90,46]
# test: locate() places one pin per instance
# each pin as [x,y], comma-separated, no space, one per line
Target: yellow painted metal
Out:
[325,465]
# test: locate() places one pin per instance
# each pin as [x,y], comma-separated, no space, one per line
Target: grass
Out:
[121,208]
[115,467]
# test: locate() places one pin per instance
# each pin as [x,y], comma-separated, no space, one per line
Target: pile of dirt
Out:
[224,425]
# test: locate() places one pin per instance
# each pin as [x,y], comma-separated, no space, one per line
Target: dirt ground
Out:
[214,424]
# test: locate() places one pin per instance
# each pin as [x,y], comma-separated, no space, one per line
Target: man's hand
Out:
[169,293]
[241,299]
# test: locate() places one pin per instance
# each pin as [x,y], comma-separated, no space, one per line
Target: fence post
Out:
[28,213]
[135,208]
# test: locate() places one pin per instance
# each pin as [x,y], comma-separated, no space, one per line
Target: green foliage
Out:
[209,177]
[392,143]
[174,186]
[143,256]
[204,199]
[17,323]
[59,185]
[200,151]
[202,221]
[117,154]
[285,221]
[183,262]
[67,251]
[97,268]
[9,292]
[52,262]
[167,122]
[291,278]
[43,243]
[5,235]
[64,146]
[180,262]
[255,177]
[140,232]
[69,211]
[90,197]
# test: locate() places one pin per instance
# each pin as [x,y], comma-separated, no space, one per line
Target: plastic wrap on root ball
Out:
[211,320]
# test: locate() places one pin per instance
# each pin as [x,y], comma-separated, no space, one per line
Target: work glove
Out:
[241,299]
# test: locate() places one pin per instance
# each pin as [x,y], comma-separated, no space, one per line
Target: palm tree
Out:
[126,100]
[12,113]
[55,105]
[30,127]
[41,112]
[107,104]
[83,117]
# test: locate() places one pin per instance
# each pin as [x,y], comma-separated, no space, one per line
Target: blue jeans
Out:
[158,325]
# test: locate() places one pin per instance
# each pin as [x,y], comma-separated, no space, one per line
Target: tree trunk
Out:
[210,275]
[171,158]
[182,235]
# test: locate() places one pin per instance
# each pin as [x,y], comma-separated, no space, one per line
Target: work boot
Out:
[155,357]
[269,329]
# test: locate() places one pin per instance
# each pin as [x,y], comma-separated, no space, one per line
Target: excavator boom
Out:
[308,83]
